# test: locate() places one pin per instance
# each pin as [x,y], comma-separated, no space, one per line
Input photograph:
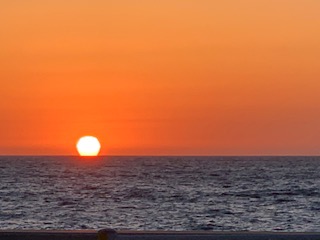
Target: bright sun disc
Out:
[88,146]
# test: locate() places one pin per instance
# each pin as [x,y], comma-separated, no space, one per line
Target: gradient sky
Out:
[162,77]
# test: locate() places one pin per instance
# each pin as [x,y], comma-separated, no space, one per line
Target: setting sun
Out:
[88,146]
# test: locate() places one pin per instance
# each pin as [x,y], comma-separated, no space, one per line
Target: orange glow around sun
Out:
[88,146]
[161,78]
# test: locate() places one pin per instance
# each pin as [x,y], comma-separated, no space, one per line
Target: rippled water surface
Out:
[167,193]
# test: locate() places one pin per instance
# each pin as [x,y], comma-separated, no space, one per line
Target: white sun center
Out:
[88,146]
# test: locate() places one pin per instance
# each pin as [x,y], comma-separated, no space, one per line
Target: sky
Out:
[169,77]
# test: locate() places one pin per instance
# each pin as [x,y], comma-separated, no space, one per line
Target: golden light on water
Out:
[88,146]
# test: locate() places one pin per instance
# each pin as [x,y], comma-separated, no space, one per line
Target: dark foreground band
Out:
[110,234]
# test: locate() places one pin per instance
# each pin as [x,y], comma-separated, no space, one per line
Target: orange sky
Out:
[162,77]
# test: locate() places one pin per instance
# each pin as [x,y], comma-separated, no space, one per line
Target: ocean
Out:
[160,193]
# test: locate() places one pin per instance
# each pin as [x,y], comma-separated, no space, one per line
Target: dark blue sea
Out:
[160,193]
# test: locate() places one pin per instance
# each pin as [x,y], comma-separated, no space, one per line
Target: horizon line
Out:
[162,155]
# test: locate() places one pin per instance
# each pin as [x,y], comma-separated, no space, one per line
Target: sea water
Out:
[160,193]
